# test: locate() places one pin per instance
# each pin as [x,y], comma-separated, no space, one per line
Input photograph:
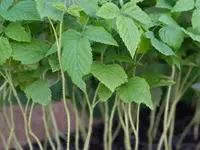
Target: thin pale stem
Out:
[158,119]
[171,132]
[165,127]
[10,128]
[87,141]
[186,78]
[173,107]
[12,120]
[59,44]
[55,127]
[132,123]
[82,120]
[30,129]
[167,109]
[9,139]
[77,119]
[91,109]
[8,78]
[176,95]
[150,130]
[121,117]
[3,139]
[110,140]
[47,129]
[117,130]
[137,128]
[127,133]
[106,121]
[188,127]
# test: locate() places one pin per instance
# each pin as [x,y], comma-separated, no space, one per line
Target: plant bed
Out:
[97,137]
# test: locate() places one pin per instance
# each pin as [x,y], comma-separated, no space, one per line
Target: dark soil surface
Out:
[183,115]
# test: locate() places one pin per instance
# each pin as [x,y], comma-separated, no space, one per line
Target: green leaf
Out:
[46,8]
[5,4]
[171,36]
[136,1]
[99,34]
[74,10]
[129,33]
[90,7]
[76,57]
[1,29]
[183,5]
[155,80]
[29,53]
[119,57]
[168,20]
[111,76]
[108,11]
[196,19]
[144,45]
[104,93]
[17,32]
[5,50]
[99,48]
[52,50]
[23,10]
[54,63]
[192,35]
[132,10]
[136,90]
[163,4]
[172,60]
[61,6]
[39,92]
[158,45]
[197,4]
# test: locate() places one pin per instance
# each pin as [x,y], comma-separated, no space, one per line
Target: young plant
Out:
[107,50]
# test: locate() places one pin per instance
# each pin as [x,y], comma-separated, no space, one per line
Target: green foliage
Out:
[74,10]
[132,10]
[104,93]
[99,34]
[155,80]
[54,63]
[88,6]
[136,90]
[164,4]
[119,43]
[23,10]
[39,92]
[171,36]
[46,8]
[129,33]
[158,45]
[17,32]
[108,11]
[5,50]
[76,57]
[5,4]
[195,19]
[183,5]
[111,76]
[29,53]
[101,51]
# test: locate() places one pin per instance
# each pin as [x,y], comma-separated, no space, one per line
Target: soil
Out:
[183,116]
